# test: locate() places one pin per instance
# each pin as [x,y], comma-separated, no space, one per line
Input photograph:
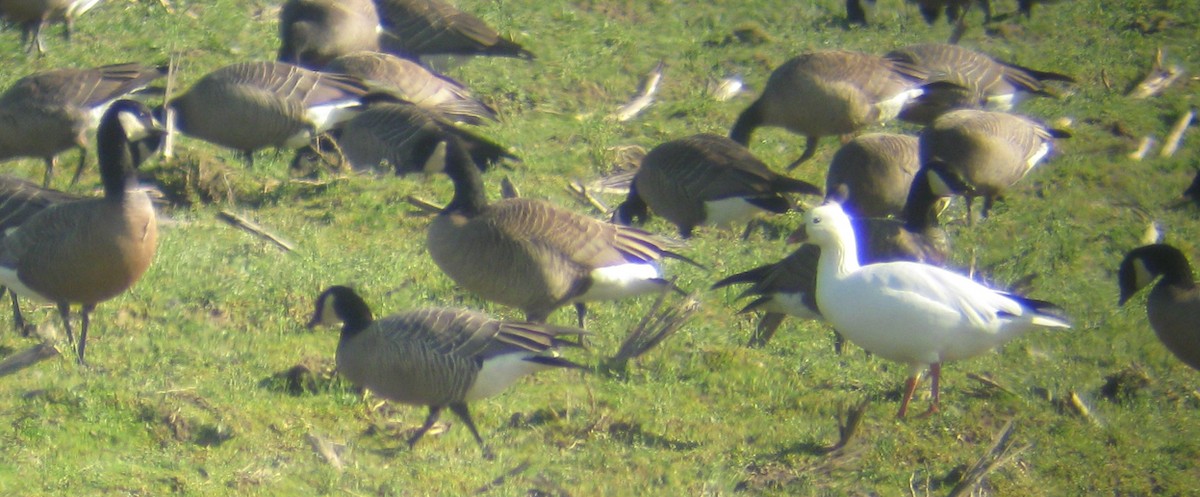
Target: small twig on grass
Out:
[500,480]
[1078,407]
[423,205]
[28,357]
[1001,453]
[1143,148]
[645,95]
[254,229]
[581,192]
[328,451]
[1171,144]
[990,383]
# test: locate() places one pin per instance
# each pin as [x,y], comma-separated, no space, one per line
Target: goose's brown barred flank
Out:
[437,357]
[434,27]
[89,251]
[977,80]
[249,106]
[1173,306]
[415,83]
[706,180]
[827,93]
[19,201]
[990,151]
[314,32]
[47,113]
[534,256]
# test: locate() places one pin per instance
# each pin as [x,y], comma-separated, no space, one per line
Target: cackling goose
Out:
[1173,306]
[314,32]
[413,82]
[876,170]
[706,179]
[436,357]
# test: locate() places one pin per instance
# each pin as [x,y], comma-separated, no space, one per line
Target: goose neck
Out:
[469,197]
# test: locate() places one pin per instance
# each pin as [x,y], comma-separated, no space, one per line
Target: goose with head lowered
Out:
[1173,306]
[912,313]
[706,179]
[88,251]
[534,256]
[437,357]
[832,92]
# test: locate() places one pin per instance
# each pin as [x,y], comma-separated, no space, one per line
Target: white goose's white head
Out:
[827,225]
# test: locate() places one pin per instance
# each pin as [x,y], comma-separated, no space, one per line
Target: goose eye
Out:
[816,220]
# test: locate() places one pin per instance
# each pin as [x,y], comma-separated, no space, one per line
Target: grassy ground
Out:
[189,390]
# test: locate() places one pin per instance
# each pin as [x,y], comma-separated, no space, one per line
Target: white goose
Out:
[912,313]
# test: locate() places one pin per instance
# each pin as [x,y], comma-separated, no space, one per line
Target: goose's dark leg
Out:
[84,314]
[810,149]
[460,408]
[434,412]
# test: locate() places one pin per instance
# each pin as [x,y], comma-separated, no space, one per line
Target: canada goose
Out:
[34,15]
[314,32]
[413,82]
[406,138]
[50,112]
[830,93]
[979,81]
[788,287]
[436,357]
[89,251]
[1173,306]
[249,106]
[531,255]
[434,27]
[877,171]
[990,151]
[912,313]
[706,179]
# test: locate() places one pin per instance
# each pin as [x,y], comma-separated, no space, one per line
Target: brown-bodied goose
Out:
[978,80]
[248,106]
[989,150]
[831,92]
[314,32]
[531,255]
[434,27]
[47,113]
[89,251]
[1173,306]
[34,15]
[876,171]
[437,357]
[413,82]
[19,201]
[706,179]
[407,139]
[785,288]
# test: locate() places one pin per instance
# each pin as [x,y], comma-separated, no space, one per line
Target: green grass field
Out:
[188,390]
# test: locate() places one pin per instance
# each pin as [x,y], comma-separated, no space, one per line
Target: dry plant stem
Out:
[255,229]
[1001,453]
[324,448]
[1143,148]
[1171,144]
[422,204]
[581,192]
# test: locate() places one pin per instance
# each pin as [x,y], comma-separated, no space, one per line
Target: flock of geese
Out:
[349,78]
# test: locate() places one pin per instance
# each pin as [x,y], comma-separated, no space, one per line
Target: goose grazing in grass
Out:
[437,357]
[408,138]
[990,151]
[534,256]
[248,106]
[434,27]
[19,201]
[314,32]
[1173,306]
[88,251]
[34,15]
[978,80]
[787,287]
[413,82]
[831,92]
[912,313]
[706,179]
[47,113]
[876,171]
